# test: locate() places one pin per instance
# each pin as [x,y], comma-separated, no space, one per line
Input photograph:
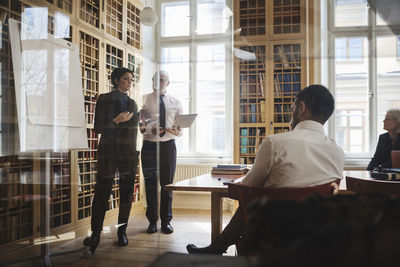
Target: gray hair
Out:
[394,114]
[159,73]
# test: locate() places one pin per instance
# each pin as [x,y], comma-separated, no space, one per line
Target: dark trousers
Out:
[102,193]
[231,233]
[167,166]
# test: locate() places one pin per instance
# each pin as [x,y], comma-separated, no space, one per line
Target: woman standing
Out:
[388,141]
[116,119]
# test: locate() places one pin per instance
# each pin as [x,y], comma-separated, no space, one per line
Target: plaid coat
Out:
[117,147]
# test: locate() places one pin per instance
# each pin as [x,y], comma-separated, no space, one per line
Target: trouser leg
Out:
[167,172]
[102,193]
[231,233]
[126,183]
[149,166]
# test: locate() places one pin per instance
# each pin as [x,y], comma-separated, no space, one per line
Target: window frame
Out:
[347,49]
[398,47]
[372,31]
[192,41]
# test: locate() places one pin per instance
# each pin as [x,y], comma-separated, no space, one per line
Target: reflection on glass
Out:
[34,23]
[175,61]
[175,19]
[351,13]
[352,105]
[61,81]
[212,16]
[62,25]
[210,122]
[388,69]
[380,20]
[34,80]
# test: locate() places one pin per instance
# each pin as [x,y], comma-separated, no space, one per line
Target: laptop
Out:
[184,121]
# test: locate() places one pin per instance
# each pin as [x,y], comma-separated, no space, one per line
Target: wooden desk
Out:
[214,184]
[363,183]
[355,174]
[209,183]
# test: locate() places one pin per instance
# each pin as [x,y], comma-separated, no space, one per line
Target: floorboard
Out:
[190,226]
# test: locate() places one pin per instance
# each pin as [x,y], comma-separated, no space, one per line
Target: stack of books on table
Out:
[230,169]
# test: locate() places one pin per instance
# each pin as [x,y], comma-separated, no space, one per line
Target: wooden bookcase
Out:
[108,36]
[270,69]
[16,205]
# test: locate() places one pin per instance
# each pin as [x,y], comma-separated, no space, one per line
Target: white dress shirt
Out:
[150,109]
[300,158]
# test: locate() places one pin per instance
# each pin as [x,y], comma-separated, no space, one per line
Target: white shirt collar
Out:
[310,125]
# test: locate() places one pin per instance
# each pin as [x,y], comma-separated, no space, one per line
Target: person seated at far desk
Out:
[303,157]
[388,141]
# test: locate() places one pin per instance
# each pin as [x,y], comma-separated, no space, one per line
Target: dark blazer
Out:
[382,154]
[117,147]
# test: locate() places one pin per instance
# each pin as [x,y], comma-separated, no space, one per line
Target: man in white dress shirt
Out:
[157,117]
[303,157]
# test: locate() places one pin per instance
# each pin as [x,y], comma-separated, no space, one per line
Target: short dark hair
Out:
[318,100]
[117,73]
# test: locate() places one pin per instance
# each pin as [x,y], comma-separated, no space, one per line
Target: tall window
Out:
[349,48]
[398,47]
[195,36]
[365,75]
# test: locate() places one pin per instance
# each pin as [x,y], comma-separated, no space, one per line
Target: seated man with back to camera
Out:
[303,157]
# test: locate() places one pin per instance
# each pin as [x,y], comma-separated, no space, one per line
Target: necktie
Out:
[162,114]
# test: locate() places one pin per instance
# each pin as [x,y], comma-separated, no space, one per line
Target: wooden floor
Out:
[190,226]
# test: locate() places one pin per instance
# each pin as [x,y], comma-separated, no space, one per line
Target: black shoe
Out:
[92,242]
[206,250]
[122,238]
[167,228]
[152,228]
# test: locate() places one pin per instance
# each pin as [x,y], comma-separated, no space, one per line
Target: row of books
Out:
[247,160]
[249,84]
[282,112]
[252,113]
[287,84]
[230,169]
[248,142]
[88,155]
[87,167]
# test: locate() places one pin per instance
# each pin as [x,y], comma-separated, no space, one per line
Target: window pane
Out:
[355,118]
[210,122]
[352,103]
[341,118]
[175,60]
[356,141]
[340,48]
[388,77]
[175,19]
[212,16]
[351,13]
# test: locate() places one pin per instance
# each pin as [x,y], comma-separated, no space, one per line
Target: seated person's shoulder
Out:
[281,136]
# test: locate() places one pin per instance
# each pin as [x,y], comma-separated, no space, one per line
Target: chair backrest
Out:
[395,155]
[245,194]
[372,186]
